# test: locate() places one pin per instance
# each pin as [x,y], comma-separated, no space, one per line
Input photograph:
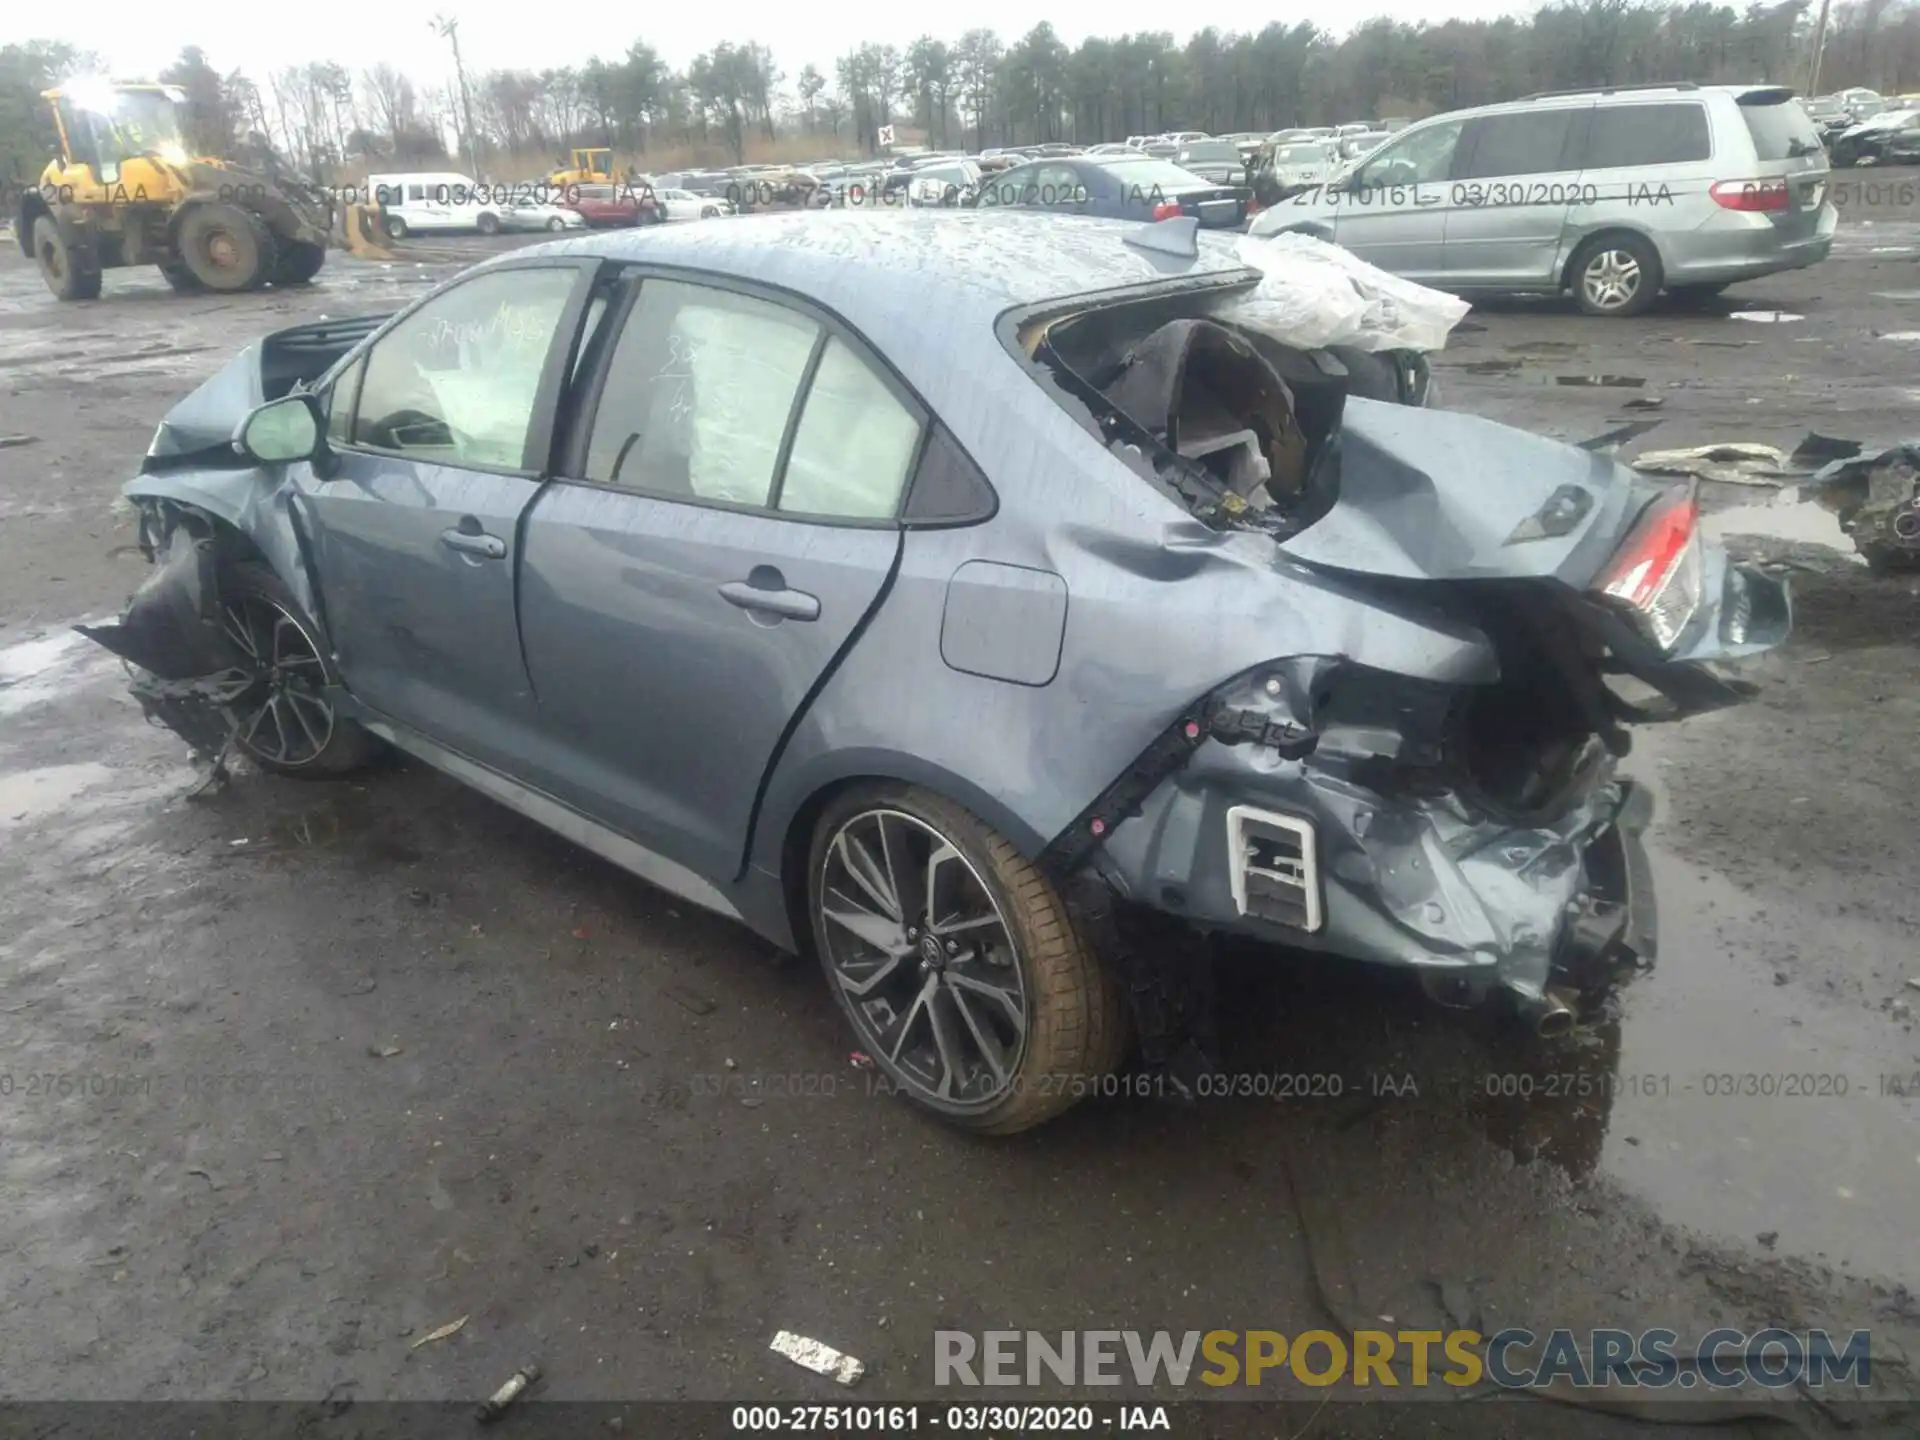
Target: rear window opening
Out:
[1235,426]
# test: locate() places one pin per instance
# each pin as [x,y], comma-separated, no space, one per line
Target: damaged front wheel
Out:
[284,721]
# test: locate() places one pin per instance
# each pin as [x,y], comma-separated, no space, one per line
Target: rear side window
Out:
[1780,131]
[1628,135]
[1533,142]
[855,443]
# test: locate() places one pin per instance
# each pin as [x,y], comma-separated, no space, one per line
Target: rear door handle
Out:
[491,546]
[786,604]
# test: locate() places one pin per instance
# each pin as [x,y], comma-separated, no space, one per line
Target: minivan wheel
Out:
[957,963]
[1616,275]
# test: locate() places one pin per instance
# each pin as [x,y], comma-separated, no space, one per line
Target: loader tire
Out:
[288,723]
[182,279]
[298,262]
[69,272]
[226,248]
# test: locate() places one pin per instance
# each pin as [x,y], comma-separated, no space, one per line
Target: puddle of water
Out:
[1745,1107]
[1787,516]
[34,671]
[31,794]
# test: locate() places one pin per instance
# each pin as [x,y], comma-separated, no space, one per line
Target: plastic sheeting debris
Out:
[1734,463]
[1312,294]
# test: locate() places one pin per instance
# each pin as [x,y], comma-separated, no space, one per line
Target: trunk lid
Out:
[1215,208]
[1437,495]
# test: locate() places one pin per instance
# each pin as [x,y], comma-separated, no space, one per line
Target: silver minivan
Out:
[1614,194]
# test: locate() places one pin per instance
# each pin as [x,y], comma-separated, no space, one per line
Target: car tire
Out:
[488,224]
[1002,1024]
[66,268]
[396,228]
[287,723]
[1615,275]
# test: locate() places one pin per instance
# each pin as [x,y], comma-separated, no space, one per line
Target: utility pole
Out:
[1819,44]
[449,29]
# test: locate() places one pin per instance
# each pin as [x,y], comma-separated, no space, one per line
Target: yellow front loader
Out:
[125,191]
[590,167]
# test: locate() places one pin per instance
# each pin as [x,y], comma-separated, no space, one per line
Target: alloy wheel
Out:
[1611,279]
[924,959]
[283,717]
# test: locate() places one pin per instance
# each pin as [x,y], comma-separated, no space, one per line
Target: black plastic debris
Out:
[1818,449]
[1620,435]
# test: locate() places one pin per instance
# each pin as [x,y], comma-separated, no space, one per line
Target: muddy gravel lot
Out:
[293,1075]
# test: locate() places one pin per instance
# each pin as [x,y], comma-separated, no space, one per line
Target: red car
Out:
[609,205]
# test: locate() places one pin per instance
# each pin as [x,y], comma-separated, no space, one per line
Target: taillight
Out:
[1760,195]
[1658,572]
[1166,210]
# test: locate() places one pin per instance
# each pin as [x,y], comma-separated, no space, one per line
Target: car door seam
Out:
[814,690]
[794,415]
[521,524]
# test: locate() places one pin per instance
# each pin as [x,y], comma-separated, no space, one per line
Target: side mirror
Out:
[281,431]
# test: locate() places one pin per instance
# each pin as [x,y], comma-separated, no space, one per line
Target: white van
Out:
[438,200]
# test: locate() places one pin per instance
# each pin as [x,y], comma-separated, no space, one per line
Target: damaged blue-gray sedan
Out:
[930,592]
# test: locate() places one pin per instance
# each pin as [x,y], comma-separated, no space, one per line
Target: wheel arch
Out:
[1315,228]
[1578,243]
[240,513]
[785,834]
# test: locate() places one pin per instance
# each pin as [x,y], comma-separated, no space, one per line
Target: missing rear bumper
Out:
[1275,874]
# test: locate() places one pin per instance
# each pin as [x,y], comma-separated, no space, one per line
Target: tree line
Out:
[977,90]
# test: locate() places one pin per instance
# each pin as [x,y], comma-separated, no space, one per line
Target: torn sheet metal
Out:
[819,1358]
[169,627]
[1312,294]
[1412,875]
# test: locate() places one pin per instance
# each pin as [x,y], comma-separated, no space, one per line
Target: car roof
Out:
[918,285]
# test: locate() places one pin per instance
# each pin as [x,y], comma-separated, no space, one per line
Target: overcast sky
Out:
[129,34]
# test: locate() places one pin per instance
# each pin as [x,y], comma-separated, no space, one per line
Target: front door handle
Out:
[784,604]
[491,546]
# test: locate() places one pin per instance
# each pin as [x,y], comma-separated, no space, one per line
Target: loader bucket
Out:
[362,231]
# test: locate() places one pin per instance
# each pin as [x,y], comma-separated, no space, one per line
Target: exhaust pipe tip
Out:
[1554,1016]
